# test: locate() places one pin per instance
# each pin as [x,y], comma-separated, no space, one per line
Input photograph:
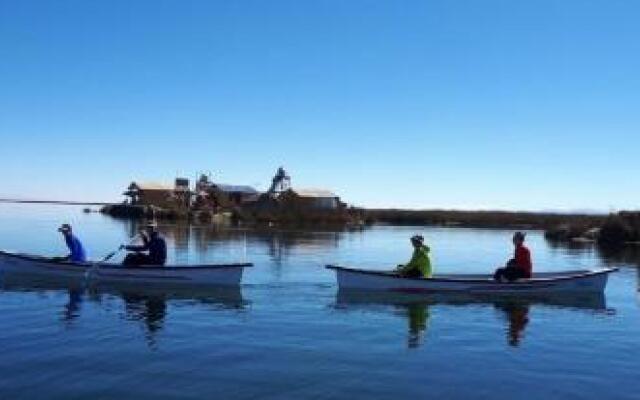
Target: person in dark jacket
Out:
[520,266]
[153,251]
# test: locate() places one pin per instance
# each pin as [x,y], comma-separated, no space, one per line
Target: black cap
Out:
[417,238]
[64,228]
[151,225]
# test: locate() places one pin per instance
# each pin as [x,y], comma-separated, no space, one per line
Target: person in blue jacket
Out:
[153,251]
[77,252]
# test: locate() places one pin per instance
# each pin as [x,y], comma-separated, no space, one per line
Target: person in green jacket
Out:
[420,265]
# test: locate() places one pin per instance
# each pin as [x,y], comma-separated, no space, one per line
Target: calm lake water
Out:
[287,333]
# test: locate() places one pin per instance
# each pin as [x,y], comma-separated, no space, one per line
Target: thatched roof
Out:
[236,188]
[316,193]
[150,186]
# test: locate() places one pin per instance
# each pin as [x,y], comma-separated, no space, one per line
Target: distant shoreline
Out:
[482,219]
[55,202]
[390,213]
[606,229]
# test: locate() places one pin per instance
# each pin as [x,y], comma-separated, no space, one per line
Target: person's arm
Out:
[426,260]
[68,256]
[411,264]
[143,247]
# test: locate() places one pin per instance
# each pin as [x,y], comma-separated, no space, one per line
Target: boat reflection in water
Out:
[147,305]
[72,308]
[151,310]
[416,307]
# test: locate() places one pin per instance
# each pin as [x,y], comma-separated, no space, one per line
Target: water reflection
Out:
[281,244]
[148,306]
[623,256]
[418,318]
[150,310]
[72,308]
[188,240]
[73,289]
[617,256]
[515,309]
[627,255]
[517,317]
[573,248]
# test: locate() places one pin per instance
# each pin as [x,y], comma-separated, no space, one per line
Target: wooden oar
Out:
[95,266]
[110,255]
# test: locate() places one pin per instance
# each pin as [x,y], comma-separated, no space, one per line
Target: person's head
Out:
[518,238]
[65,229]
[151,228]
[417,240]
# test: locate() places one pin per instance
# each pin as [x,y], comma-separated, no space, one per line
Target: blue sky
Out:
[420,104]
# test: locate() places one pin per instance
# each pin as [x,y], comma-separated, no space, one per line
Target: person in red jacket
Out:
[520,266]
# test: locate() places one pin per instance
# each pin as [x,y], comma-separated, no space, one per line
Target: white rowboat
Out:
[211,274]
[541,282]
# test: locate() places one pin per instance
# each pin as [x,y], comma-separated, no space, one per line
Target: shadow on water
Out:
[416,308]
[149,306]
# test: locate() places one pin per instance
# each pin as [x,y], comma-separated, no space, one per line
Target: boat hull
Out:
[225,275]
[571,281]
[41,267]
